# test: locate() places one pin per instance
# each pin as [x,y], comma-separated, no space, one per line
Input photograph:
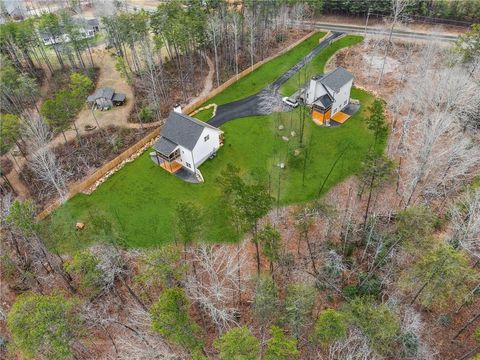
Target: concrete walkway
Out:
[268,99]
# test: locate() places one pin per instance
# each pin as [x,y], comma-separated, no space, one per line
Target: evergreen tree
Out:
[238,344]
[376,122]
[299,303]
[442,277]
[90,276]
[379,324]
[9,132]
[170,318]
[330,326]
[270,240]
[280,346]
[189,222]
[45,326]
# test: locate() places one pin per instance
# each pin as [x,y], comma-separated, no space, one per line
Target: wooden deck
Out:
[171,167]
[340,117]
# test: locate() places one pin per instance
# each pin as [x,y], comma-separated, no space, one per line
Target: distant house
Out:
[88,27]
[16,13]
[106,98]
[185,143]
[328,94]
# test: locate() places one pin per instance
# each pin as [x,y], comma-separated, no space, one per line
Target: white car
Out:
[290,102]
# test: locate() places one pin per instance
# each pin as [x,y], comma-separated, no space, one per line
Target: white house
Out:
[186,143]
[328,94]
[87,28]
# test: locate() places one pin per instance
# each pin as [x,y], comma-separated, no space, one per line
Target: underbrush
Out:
[78,160]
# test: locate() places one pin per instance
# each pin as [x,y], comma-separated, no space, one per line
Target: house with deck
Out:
[186,143]
[328,96]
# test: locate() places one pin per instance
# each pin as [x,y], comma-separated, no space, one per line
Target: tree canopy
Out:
[238,344]
[46,325]
[171,319]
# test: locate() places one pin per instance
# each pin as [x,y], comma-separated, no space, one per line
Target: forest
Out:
[463,10]
[363,244]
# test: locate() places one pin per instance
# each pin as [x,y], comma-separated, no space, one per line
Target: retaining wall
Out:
[100,173]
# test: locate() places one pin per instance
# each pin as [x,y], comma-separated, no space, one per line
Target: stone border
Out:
[100,175]
[215,106]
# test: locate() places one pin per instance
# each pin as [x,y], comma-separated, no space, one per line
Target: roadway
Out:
[405,34]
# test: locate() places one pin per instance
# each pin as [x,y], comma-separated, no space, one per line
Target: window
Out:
[188,165]
[206,138]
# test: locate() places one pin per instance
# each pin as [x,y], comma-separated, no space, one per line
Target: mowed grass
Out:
[317,65]
[267,73]
[204,115]
[139,201]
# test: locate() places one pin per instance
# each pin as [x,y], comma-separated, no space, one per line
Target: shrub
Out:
[330,326]
[146,114]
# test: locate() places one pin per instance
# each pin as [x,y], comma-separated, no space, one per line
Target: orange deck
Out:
[340,117]
[171,167]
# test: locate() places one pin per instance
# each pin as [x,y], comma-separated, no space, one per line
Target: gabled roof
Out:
[183,130]
[119,97]
[106,93]
[336,79]
[164,146]
[324,101]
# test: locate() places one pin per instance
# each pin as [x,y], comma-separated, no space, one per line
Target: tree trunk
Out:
[467,324]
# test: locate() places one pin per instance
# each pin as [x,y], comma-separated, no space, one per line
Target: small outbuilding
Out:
[106,98]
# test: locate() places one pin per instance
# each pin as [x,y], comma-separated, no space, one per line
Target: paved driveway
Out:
[269,99]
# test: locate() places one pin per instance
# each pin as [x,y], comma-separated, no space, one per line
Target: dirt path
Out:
[208,83]
[118,116]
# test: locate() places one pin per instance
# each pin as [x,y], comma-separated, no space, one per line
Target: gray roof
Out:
[183,130]
[325,101]
[336,78]
[118,97]
[93,22]
[164,146]
[106,93]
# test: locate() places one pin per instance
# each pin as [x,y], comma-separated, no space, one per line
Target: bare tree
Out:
[465,220]
[214,27]
[439,154]
[250,21]
[354,347]
[235,25]
[398,6]
[214,283]
[44,163]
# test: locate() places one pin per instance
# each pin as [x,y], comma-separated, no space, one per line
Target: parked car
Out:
[290,102]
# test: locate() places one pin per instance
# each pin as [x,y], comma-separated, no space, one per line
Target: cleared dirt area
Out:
[108,77]
[365,62]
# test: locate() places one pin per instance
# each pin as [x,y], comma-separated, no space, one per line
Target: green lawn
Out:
[140,200]
[317,65]
[267,73]
[204,115]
